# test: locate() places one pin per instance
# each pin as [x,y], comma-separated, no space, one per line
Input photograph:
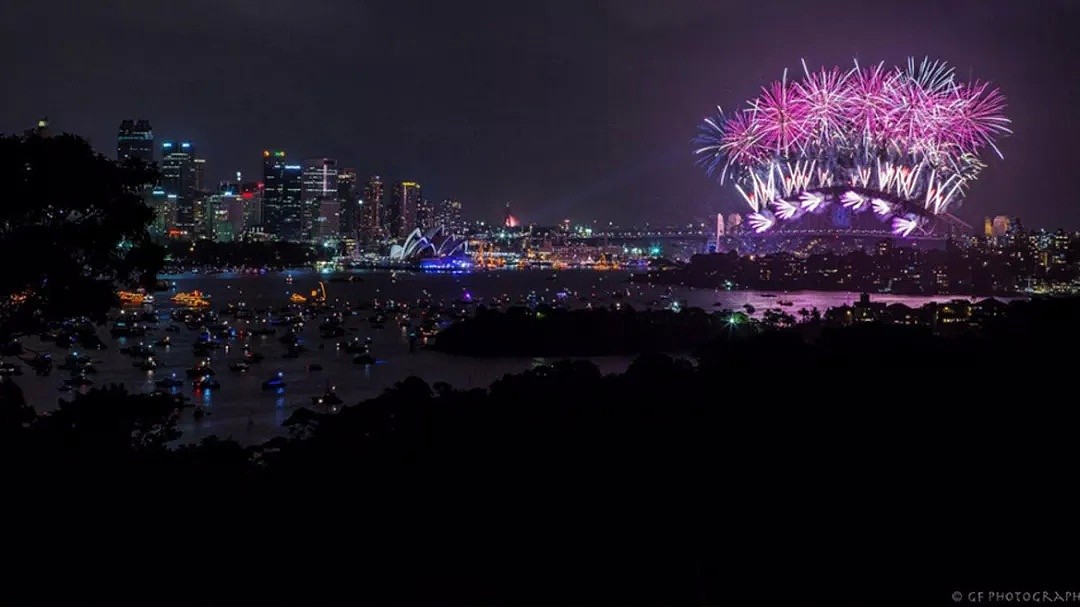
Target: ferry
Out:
[134,298]
[194,299]
[317,296]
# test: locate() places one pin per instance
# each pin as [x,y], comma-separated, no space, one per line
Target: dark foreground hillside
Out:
[878,464]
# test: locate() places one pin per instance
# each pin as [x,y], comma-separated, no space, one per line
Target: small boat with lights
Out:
[276,382]
[168,382]
[329,398]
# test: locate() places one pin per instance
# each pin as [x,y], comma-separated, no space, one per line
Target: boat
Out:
[329,398]
[329,332]
[276,382]
[239,366]
[8,369]
[353,346]
[73,361]
[314,367]
[122,329]
[363,359]
[784,302]
[132,298]
[207,383]
[147,364]
[168,382]
[141,350]
[79,382]
[193,299]
[199,371]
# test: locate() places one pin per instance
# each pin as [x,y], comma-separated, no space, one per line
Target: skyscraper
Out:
[200,174]
[178,182]
[252,195]
[224,216]
[425,215]
[328,223]
[1000,226]
[319,195]
[401,218]
[283,209]
[135,139]
[350,202]
[449,216]
[371,211]
[164,212]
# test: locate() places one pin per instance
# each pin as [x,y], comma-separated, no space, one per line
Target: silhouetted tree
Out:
[73,227]
[110,421]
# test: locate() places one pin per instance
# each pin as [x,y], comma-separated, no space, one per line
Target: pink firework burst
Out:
[742,138]
[867,104]
[978,115]
[914,118]
[781,116]
[823,98]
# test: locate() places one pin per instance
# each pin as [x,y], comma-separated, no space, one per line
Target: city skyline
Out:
[576,109]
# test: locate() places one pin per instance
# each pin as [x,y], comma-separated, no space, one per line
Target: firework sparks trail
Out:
[881,207]
[760,222]
[904,226]
[785,209]
[854,201]
[811,201]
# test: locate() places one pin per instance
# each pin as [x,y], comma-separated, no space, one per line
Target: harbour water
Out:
[245,412]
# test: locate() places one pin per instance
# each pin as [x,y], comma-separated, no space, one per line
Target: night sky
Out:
[578,109]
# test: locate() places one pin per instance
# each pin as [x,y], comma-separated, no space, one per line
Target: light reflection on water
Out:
[243,410]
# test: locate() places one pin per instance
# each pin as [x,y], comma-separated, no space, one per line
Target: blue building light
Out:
[185,145]
[446,264]
[167,145]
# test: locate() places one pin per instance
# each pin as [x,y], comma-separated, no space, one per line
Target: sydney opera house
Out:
[436,243]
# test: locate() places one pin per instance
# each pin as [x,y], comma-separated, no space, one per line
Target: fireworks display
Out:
[901,143]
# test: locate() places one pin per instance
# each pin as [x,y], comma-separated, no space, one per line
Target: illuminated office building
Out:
[135,139]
